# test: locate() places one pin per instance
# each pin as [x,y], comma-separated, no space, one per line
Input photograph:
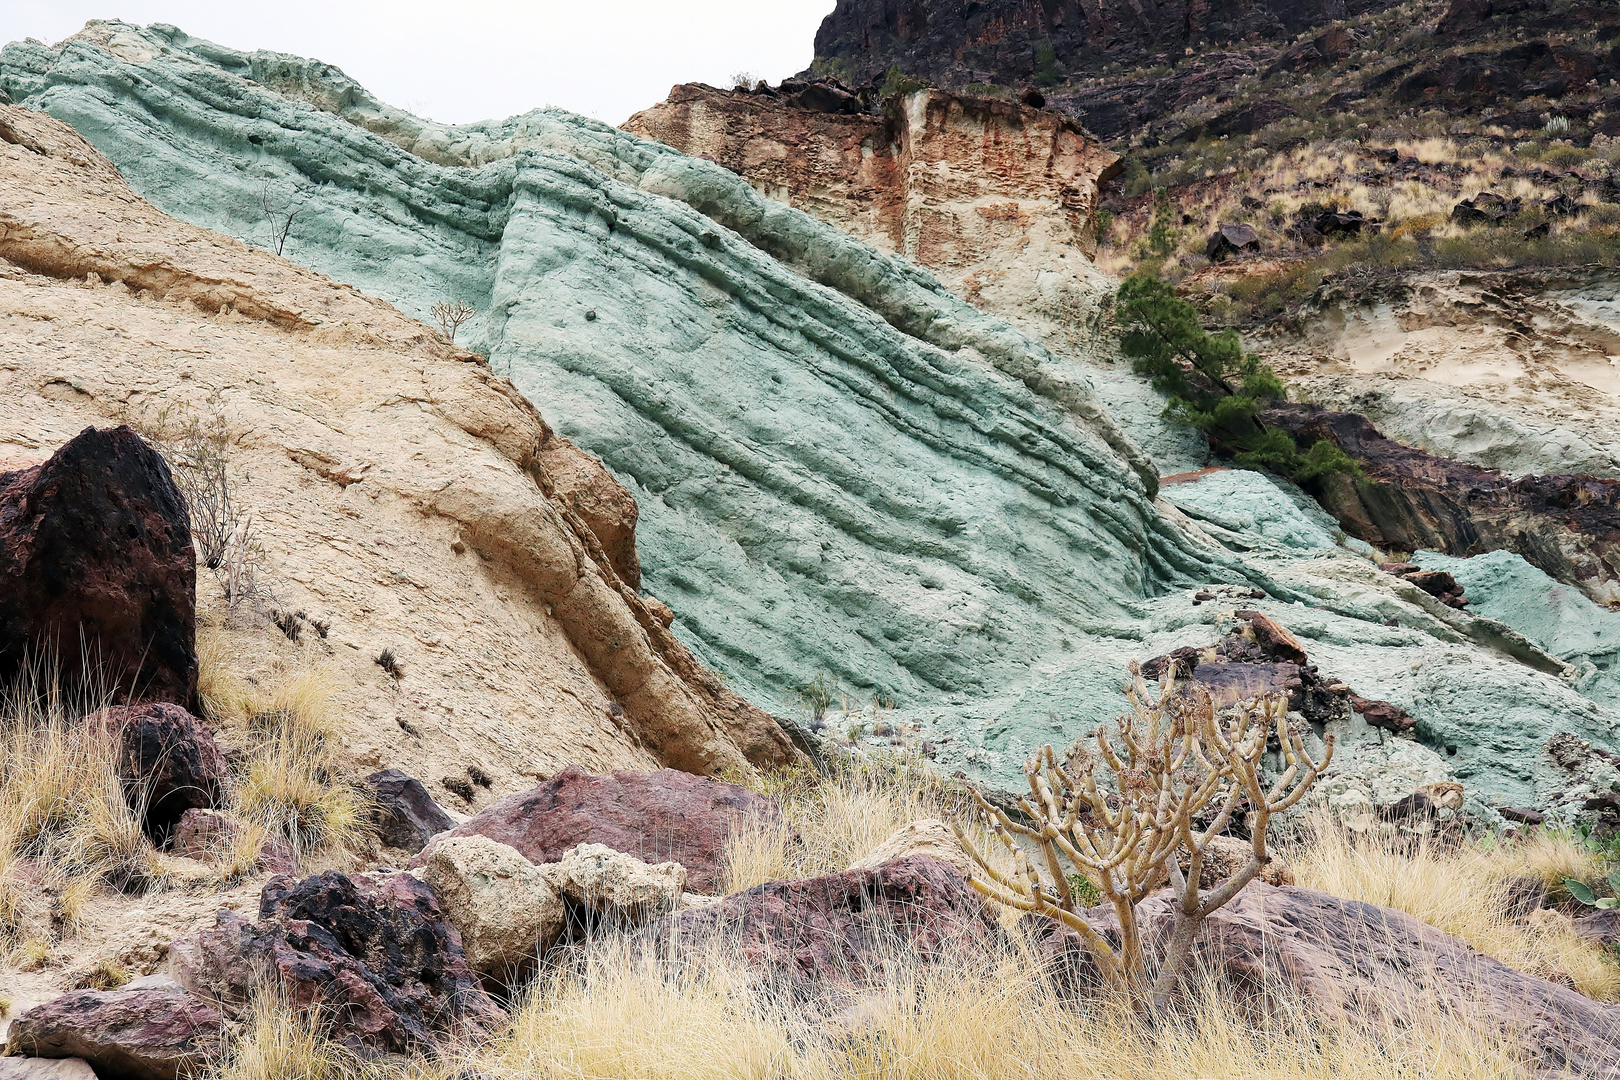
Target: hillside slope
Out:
[403,496]
[851,483]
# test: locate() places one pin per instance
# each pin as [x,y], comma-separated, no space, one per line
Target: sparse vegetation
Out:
[1121,812]
[389,662]
[279,212]
[1211,383]
[1468,891]
[450,315]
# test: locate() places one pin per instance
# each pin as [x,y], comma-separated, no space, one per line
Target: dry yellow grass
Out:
[830,822]
[1465,891]
[285,791]
[62,803]
[630,1014]
[279,1042]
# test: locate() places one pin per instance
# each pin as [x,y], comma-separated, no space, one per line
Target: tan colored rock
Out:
[1226,855]
[925,836]
[994,197]
[506,908]
[618,886]
[404,495]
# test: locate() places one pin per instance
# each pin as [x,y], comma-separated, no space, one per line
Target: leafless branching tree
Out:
[450,315]
[1173,762]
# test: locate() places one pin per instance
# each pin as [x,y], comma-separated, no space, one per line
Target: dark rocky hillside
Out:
[1356,138]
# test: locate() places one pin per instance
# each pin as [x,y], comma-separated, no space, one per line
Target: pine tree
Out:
[1212,384]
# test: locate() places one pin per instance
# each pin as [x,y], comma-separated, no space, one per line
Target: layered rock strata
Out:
[995,197]
[1409,500]
[403,495]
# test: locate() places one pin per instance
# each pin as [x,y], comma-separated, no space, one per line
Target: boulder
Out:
[1600,927]
[1345,954]
[96,565]
[1486,208]
[1229,240]
[928,837]
[210,834]
[406,815]
[375,951]
[168,761]
[140,1034]
[840,931]
[1226,855]
[37,1068]
[506,908]
[616,888]
[658,816]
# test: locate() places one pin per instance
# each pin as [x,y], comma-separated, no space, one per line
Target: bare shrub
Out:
[278,211]
[1178,772]
[450,315]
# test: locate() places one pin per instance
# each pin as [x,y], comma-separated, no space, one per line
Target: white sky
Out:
[484,59]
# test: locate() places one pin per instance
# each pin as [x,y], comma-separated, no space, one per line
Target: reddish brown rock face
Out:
[169,762]
[96,562]
[968,188]
[657,817]
[145,1034]
[376,951]
[1409,500]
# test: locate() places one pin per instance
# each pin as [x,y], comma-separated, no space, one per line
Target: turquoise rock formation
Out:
[847,476]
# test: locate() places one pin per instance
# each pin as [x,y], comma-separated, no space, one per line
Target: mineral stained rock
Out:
[96,565]
[994,197]
[406,496]
[842,931]
[1345,954]
[376,950]
[845,475]
[657,817]
[406,815]
[132,1034]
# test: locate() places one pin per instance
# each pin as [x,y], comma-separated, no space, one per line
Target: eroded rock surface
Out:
[97,571]
[168,761]
[994,197]
[1410,500]
[507,909]
[842,931]
[375,950]
[406,815]
[403,494]
[1345,954]
[130,1034]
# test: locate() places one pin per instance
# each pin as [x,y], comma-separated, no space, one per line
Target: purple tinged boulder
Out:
[374,952]
[664,816]
[406,815]
[169,763]
[157,1033]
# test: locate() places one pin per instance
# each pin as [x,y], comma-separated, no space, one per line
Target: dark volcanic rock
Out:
[1229,240]
[95,547]
[1257,657]
[1012,43]
[842,930]
[375,951]
[1409,500]
[406,815]
[657,817]
[1486,208]
[168,761]
[1344,954]
[147,1034]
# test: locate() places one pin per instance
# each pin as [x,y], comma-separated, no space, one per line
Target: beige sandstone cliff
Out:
[995,198]
[402,493]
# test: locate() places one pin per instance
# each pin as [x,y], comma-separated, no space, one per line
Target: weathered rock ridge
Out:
[994,197]
[402,492]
